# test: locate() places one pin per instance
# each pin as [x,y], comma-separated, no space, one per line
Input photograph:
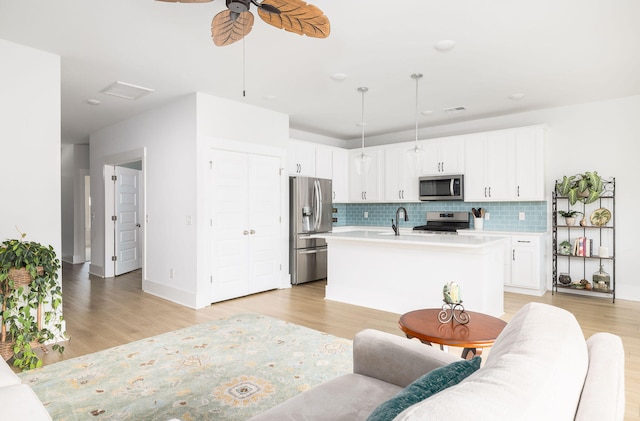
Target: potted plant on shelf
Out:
[31,297]
[586,187]
[569,216]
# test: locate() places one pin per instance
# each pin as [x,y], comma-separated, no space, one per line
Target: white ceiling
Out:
[556,52]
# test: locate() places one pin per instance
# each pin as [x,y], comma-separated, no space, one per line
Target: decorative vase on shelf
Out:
[601,280]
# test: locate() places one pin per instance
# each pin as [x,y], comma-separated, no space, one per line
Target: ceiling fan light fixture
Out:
[238,6]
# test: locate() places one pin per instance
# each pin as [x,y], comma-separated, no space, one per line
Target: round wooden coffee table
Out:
[481,331]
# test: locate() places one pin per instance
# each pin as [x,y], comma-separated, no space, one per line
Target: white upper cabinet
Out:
[400,174]
[340,175]
[504,165]
[365,187]
[527,164]
[301,158]
[324,162]
[443,156]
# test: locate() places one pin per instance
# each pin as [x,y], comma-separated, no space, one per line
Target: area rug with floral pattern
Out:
[228,369]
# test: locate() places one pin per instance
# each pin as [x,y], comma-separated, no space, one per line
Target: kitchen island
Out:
[407,272]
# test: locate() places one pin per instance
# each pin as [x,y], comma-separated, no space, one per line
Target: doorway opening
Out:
[124,234]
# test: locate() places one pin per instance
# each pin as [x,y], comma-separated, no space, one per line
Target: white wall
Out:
[235,126]
[164,139]
[30,144]
[601,136]
[174,140]
[75,165]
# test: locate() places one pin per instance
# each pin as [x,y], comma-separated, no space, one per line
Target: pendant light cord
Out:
[244,67]
[417,77]
[363,90]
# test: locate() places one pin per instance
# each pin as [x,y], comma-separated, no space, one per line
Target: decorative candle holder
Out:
[453,311]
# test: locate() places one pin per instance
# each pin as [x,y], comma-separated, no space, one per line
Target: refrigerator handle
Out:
[319,205]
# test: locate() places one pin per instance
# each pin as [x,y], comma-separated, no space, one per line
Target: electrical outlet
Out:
[487,216]
[521,216]
[188,220]
[170,273]
[366,214]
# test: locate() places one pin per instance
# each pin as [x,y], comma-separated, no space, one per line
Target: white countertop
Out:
[411,238]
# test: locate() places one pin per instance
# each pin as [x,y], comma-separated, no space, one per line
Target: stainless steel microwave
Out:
[442,187]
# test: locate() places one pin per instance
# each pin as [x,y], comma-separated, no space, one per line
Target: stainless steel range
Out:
[444,222]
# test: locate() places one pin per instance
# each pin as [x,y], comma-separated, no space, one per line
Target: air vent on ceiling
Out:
[126,90]
[454,109]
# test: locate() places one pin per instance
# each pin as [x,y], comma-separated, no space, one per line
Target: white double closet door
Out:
[245,223]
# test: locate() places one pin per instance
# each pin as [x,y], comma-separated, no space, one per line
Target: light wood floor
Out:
[102,313]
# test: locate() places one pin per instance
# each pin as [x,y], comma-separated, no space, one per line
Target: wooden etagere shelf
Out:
[579,267]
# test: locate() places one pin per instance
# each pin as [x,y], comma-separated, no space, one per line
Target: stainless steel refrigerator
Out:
[309,212]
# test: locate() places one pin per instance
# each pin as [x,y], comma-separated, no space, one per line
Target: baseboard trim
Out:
[169,293]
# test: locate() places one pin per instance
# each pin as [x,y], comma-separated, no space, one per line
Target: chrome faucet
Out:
[396,226]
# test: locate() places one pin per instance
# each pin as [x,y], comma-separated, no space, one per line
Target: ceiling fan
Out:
[295,16]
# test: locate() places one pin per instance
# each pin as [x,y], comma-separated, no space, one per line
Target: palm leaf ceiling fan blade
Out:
[298,17]
[228,27]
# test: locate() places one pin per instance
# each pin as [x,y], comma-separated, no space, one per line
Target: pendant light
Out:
[362,161]
[415,154]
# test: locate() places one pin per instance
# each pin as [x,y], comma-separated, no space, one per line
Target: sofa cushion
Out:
[18,402]
[603,397]
[345,398]
[535,371]
[7,376]
[425,386]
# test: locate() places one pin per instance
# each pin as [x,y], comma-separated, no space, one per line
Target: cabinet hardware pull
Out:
[252,232]
[513,255]
[245,232]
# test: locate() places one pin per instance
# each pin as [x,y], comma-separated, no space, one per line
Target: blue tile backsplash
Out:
[504,216]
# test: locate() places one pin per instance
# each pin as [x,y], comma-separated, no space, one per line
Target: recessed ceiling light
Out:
[516,97]
[92,102]
[270,97]
[126,90]
[445,45]
[338,77]
[426,112]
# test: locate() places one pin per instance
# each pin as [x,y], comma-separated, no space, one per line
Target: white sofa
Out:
[17,400]
[540,368]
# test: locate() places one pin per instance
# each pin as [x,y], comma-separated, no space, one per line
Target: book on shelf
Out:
[583,247]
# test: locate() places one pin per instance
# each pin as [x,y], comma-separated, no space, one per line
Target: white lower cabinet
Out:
[526,263]
[242,235]
[523,261]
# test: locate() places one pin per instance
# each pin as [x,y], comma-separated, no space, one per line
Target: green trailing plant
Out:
[30,313]
[586,187]
[569,214]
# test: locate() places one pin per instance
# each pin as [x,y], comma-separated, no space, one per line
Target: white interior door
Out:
[229,225]
[264,222]
[127,223]
[245,222]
